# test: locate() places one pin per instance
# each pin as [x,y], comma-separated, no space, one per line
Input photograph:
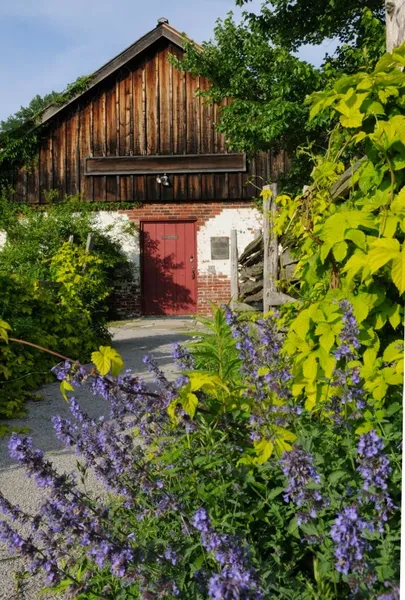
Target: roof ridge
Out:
[162,30]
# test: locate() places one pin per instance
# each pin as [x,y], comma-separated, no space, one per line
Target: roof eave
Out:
[161,31]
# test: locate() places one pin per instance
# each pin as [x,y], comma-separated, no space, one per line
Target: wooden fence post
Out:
[234,267]
[395,21]
[89,242]
[270,242]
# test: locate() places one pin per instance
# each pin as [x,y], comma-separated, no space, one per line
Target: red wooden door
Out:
[169,268]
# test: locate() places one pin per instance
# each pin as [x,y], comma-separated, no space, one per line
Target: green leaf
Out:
[382,251]
[380,389]
[310,367]
[356,263]
[398,204]
[190,403]
[107,359]
[394,351]
[361,308]
[398,271]
[389,226]
[3,330]
[336,476]
[364,428]
[394,315]
[264,449]
[301,325]
[398,123]
[358,237]
[369,360]
[340,250]
[327,340]
[64,387]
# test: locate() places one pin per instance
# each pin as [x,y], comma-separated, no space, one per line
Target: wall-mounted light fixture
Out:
[163,179]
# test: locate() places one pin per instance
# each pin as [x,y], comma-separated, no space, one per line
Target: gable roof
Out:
[162,31]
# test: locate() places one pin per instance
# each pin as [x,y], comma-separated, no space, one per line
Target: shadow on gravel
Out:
[40,413]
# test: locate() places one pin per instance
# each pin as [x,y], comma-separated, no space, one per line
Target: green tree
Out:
[252,63]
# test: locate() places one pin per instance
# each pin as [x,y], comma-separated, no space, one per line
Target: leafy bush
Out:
[36,234]
[236,491]
[67,316]
[55,287]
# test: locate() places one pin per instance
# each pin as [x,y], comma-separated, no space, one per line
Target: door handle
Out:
[193,274]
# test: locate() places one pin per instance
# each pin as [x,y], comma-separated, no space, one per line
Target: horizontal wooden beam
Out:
[180,163]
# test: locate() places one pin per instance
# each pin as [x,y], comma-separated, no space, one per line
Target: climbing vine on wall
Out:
[20,134]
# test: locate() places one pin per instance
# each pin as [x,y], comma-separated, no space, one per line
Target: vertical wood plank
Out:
[72,185]
[139,111]
[151,109]
[59,145]
[111,146]
[165,107]
[125,100]
[193,133]
[179,125]
[33,182]
[234,268]
[86,185]
[99,194]
[220,179]
[207,141]
[395,23]
[20,187]
[270,243]
[44,173]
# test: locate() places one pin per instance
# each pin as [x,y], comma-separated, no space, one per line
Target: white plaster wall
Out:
[3,237]
[244,220]
[122,229]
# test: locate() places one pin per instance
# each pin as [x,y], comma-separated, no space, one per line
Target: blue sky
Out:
[46,44]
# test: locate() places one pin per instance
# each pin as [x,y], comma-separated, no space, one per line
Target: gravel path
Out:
[133,340]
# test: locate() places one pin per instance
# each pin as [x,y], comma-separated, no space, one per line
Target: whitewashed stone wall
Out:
[121,228]
[244,220]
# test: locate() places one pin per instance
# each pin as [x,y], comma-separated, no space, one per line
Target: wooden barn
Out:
[139,133]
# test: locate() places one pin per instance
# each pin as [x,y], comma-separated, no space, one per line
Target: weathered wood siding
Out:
[146,108]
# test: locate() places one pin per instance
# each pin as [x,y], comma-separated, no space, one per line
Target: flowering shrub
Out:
[218,488]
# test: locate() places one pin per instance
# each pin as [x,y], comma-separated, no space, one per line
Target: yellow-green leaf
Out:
[301,325]
[340,250]
[309,367]
[357,236]
[393,352]
[356,263]
[382,251]
[3,330]
[380,388]
[389,226]
[264,449]
[327,340]
[364,428]
[394,315]
[190,403]
[202,381]
[64,387]
[107,359]
[171,411]
[398,271]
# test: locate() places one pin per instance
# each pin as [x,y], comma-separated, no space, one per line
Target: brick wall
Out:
[213,276]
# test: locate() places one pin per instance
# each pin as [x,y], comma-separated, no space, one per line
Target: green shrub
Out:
[53,293]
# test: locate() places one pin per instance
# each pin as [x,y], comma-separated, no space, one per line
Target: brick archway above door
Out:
[169,267]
